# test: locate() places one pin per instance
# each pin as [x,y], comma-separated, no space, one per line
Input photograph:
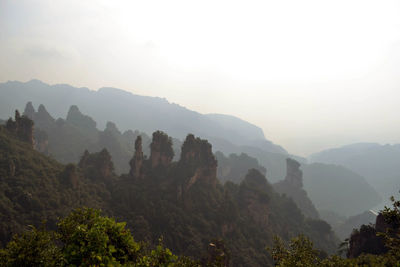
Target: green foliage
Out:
[84,238]
[34,187]
[32,248]
[300,250]
[90,239]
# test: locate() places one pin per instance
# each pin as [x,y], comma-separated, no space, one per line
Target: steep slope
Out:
[292,186]
[231,124]
[331,188]
[36,189]
[345,229]
[130,111]
[379,164]
[181,201]
[246,216]
[66,140]
[338,189]
[235,167]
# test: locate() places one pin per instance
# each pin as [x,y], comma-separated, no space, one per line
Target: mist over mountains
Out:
[378,164]
[131,111]
[334,187]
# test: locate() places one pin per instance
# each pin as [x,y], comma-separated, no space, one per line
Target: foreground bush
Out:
[85,238]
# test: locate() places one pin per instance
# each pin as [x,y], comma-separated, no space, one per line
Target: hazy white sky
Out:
[312,74]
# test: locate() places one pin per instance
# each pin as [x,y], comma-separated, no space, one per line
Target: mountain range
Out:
[130,111]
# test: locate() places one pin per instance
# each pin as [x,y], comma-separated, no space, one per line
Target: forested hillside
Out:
[180,200]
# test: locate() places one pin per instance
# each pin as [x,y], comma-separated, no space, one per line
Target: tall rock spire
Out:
[197,154]
[294,175]
[161,150]
[136,162]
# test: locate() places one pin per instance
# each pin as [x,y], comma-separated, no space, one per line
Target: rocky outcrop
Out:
[41,141]
[197,155]
[292,186]
[294,176]
[97,165]
[29,110]
[42,117]
[136,162]
[83,123]
[70,176]
[161,153]
[366,240]
[255,196]
[21,127]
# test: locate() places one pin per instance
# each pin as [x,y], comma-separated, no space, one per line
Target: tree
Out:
[32,248]
[90,239]
[300,252]
[85,238]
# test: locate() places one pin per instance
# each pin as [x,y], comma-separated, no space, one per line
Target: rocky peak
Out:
[197,155]
[136,162]
[161,153]
[21,127]
[29,110]
[43,114]
[292,186]
[255,179]
[294,175]
[255,193]
[75,117]
[197,151]
[112,128]
[97,165]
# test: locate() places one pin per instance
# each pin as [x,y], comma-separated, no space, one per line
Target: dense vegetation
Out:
[375,245]
[65,140]
[182,201]
[84,238]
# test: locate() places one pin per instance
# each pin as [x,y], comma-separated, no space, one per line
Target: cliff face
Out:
[197,155]
[22,127]
[136,162]
[161,153]
[294,176]
[255,194]
[75,117]
[42,119]
[246,215]
[365,240]
[97,166]
[292,186]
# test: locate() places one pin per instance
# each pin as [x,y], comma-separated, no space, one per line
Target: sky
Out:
[312,74]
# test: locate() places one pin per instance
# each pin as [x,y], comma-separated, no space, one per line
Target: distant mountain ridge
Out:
[130,111]
[379,164]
